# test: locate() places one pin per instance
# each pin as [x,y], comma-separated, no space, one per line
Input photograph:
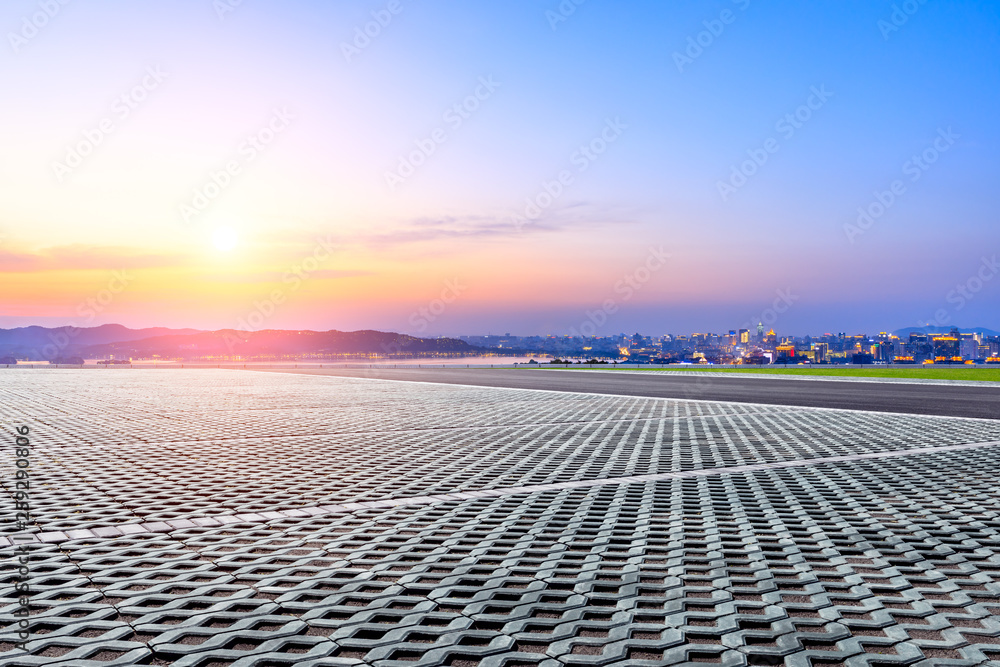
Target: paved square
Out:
[213,517]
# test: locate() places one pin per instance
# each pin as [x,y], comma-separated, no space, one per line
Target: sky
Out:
[531,167]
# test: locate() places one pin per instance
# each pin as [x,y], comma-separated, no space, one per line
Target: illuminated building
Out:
[919,347]
[946,346]
[820,352]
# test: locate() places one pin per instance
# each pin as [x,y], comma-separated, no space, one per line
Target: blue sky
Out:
[888,90]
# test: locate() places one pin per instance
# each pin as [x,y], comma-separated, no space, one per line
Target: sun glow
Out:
[224,238]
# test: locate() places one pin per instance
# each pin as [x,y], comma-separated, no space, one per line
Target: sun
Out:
[224,238]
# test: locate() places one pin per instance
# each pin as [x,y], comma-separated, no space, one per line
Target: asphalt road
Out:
[926,399]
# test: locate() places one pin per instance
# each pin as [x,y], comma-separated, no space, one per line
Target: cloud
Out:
[265,277]
[569,218]
[573,218]
[81,257]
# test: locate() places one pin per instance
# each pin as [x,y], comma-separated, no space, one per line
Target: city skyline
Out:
[67,345]
[408,168]
[573,332]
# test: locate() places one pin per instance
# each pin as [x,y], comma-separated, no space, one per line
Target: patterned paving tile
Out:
[856,562]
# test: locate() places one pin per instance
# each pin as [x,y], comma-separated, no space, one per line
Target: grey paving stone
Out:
[220,517]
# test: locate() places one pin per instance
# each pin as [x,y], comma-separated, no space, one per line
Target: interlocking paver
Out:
[219,517]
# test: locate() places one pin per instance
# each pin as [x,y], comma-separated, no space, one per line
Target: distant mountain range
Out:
[64,343]
[42,343]
[905,333]
[45,343]
[271,343]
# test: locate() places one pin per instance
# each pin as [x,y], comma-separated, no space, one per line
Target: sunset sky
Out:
[187,164]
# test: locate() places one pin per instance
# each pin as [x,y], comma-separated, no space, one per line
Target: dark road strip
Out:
[926,399]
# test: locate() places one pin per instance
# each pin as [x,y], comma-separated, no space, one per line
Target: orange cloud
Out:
[79,257]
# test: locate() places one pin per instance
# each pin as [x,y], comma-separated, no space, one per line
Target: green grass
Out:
[939,373]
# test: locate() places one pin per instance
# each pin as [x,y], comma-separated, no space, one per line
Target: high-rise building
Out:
[967,345]
[946,347]
[919,347]
[760,331]
[883,351]
[821,350]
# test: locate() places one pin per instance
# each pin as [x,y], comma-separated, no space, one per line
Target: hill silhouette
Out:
[43,343]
